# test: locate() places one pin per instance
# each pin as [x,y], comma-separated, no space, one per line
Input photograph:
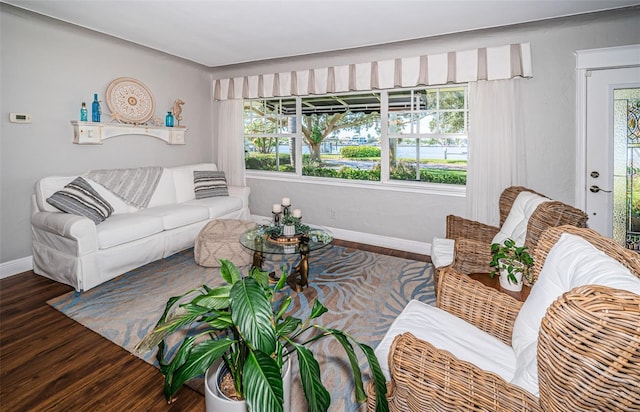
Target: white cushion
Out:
[183,180]
[118,205]
[165,193]
[47,186]
[218,206]
[448,332]
[174,216]
[571,262]
[515,225]
[127,227]
[442,250]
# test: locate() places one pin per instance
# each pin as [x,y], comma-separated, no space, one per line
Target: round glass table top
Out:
[258,241]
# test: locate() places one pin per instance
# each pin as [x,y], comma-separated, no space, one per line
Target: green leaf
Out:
[318,397]
[379,381]
[353,360]
[168,369]
[284,306]
[229,271]
[252,314]
[260,275]
[217,298]
[282,281]
[262,381]
[287,326]
[221,321]
[198,360]
[318,309]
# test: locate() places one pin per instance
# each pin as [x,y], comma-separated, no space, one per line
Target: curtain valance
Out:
[486,63]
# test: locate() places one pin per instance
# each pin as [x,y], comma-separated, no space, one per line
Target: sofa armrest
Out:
[459,227]
[425,378]
[242,192]
[484,307]
[80,230]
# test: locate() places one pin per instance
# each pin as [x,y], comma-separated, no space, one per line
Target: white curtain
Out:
[227,117]
[497,153]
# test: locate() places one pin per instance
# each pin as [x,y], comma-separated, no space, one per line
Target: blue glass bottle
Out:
[83,112]
[168,120]
[95,109]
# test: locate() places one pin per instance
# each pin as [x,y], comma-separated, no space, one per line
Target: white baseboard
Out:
[371,239]
[14,267]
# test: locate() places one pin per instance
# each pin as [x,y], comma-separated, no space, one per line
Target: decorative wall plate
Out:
[130,101]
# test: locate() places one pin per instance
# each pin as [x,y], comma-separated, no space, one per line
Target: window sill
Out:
[395,186]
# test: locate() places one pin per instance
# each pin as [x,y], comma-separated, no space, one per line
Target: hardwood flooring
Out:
[49,362]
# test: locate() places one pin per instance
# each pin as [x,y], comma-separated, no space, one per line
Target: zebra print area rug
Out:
[363,291]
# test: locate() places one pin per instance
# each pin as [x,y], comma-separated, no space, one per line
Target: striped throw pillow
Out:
[79,198]
[208,183]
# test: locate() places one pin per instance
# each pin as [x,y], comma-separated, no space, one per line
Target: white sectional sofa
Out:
[74,250]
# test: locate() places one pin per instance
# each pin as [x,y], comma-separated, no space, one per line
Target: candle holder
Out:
[276,218]
[286,210]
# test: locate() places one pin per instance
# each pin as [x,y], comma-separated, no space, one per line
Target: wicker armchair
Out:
[588,347]
[473,239]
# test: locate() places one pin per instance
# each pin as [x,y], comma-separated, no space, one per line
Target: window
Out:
[343,136]
[428,135]
[269,134]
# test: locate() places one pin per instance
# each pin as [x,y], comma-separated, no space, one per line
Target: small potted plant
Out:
[244,324]
[511,262]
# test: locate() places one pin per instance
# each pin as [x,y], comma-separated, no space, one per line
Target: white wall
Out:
[549,106]
[47,69]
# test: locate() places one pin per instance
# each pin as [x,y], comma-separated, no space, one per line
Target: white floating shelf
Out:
[95,133]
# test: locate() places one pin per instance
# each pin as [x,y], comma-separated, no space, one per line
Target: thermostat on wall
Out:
[19,118]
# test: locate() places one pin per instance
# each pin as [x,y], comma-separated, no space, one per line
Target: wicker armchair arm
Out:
[459,227]
[425,378]
[589,351]
[486,308]
[471,256]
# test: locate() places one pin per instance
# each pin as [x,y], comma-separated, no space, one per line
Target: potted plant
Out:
[244,324]
[287,224]
[512,263]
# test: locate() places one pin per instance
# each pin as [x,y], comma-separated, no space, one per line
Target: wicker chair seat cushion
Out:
[448,332]
[572,262]
[442,250]
[515,225]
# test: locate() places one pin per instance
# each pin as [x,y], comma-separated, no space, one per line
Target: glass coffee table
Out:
[261,244]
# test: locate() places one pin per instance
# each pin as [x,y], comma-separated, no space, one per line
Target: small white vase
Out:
[288,230]
[217,402]
[507,284]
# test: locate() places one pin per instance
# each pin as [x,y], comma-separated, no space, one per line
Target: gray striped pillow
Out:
[79,198]
[208,183]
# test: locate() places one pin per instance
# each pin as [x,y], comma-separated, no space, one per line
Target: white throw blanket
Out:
[134,186]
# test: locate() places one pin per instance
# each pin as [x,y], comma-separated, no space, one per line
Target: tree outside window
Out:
[341,136]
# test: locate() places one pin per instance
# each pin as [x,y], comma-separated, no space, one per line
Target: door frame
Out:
[586,61]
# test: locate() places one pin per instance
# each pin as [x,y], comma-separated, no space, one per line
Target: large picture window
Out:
[423,138]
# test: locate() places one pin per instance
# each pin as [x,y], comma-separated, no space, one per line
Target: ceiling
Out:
[224,32]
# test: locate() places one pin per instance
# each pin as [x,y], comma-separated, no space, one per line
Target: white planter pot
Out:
[505,283]
[216,402]
[288,230]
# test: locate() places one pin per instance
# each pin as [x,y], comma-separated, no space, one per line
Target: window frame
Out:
[385,183]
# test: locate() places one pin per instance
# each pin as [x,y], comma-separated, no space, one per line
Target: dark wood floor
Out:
[49,362]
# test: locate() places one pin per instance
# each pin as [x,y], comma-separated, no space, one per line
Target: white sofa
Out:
[74,250]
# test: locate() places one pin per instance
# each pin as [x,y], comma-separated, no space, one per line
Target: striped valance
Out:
[486,63]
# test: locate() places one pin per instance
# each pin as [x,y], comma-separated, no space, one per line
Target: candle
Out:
[286,201]
[276,208]
[297,213]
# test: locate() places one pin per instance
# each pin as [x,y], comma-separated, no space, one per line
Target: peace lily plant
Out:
[245,323]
